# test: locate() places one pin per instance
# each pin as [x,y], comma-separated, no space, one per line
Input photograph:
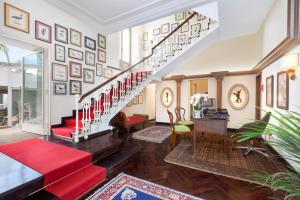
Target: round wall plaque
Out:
[238,96]
[167,97]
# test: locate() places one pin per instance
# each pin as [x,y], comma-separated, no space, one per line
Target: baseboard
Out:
[162,123]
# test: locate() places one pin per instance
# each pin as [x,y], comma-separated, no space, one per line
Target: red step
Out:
[78,183]
[64,131]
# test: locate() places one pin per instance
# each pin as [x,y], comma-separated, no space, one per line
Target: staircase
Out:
[94,109]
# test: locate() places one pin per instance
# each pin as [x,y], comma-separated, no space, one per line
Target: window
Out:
[125,50]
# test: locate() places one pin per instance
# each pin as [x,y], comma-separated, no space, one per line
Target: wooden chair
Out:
[181,120]
[177,129]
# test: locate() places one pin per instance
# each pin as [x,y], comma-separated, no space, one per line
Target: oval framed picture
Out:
[167,97]
[238,96]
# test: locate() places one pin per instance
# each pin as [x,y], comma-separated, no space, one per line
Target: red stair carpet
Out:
[69,169]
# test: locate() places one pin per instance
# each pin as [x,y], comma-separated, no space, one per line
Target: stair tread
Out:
[78,183]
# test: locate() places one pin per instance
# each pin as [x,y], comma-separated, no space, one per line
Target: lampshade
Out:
[291,60]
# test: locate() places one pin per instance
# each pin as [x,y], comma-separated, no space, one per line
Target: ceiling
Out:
[237,17]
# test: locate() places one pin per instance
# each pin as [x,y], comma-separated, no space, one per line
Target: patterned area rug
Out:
[125,187]
[210,157]
[156,134]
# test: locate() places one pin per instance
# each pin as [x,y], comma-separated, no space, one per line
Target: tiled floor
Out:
[10,135]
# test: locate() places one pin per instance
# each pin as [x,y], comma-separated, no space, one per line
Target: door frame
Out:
[258,80]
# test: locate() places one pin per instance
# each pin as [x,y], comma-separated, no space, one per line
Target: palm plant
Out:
[287,139]
[4,49]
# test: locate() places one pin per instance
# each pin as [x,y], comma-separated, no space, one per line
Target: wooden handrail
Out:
[126,70]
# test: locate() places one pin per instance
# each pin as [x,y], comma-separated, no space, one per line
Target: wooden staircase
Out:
[95,109]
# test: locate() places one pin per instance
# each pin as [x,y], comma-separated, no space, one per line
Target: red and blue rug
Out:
[125,187]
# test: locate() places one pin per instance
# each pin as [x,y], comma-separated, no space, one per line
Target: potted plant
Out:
[285,132]
[196,101]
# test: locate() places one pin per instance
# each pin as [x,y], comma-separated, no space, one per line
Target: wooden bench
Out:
[120,120]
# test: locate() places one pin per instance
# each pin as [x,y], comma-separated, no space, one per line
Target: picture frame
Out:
[283,90]
[238,97]
[75,87]
[145,46]
[90,58]
[180,16]
[59,72]
[185,27]
[107,73]
[89,76]
[270,91]
[89,43]
[99,69]
[59,88]
[196,29]
[43,32]
[165,28]
[75,69]
[101,56]
[140,99]
[75,54]
[174,26]
[59,53]
[16,18]
[61,34]
[156,32]
[167,97]
[101,41]
[75,37]
[145,36]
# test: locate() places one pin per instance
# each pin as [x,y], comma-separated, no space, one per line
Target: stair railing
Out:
[100,103]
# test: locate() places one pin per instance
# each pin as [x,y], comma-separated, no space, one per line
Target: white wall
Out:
[44,12]
[274,29]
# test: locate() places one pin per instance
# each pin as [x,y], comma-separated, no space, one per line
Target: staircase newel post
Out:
[76,136]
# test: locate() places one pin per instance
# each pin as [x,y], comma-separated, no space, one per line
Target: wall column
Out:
[219,91]
[178,80]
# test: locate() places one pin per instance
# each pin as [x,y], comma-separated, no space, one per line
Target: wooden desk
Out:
[207,125]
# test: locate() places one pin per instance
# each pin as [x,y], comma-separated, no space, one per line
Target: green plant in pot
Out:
[286,137]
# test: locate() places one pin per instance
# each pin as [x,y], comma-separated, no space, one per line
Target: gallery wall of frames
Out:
[79,57]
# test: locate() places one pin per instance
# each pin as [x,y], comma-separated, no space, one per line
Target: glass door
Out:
[32,93]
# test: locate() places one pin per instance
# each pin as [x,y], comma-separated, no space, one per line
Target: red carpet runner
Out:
[56,162]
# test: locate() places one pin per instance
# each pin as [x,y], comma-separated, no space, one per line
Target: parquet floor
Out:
[149,164]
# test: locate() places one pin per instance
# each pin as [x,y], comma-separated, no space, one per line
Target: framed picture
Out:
[75,37]
[195,29]
[101,41]
[42,31]
[238,96]
[60,53]
[89,43]
[61,34]
[88,76]
[167,97]
[145,36]
[89,58]
[73,53]
[101,56]
[75,87]
[179,16]
[174,26]
[185,28]
[75,69]
[140,99]
[99,69]
[107,73]
[60,88]
[165,28]
[156,32]
[135,101]
[16,18]
[283,90]
[270,91]
[145,46]
[59,72]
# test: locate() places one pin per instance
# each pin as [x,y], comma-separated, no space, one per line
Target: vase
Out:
[197,114]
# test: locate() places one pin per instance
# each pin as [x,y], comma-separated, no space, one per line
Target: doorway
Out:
[198,86]
[23,65]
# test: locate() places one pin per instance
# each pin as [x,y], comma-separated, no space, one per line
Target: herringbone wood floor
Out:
[149,165]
